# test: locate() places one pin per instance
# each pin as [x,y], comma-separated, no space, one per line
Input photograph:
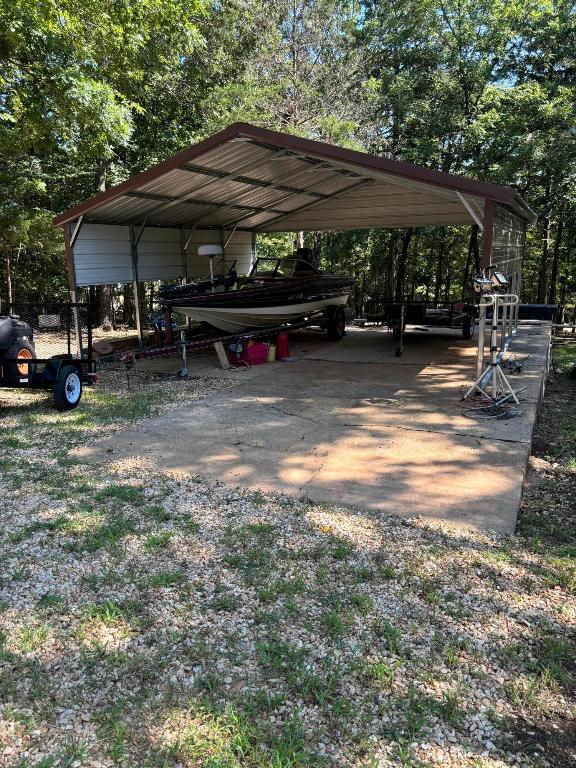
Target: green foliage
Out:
[92,93]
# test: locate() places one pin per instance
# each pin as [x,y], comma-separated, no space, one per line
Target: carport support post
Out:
[134,240]
[71,232]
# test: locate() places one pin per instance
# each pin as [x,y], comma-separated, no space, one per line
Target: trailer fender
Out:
[53,366]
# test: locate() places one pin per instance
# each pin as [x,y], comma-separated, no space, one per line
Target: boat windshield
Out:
[288,267]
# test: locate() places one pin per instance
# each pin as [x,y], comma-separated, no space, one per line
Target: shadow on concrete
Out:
[349,423]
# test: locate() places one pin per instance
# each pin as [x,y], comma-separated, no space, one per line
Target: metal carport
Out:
[247,180]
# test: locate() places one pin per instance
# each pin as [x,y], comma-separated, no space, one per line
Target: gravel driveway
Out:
[152,621]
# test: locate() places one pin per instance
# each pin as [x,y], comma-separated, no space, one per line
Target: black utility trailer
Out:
[398,312]
[27,331]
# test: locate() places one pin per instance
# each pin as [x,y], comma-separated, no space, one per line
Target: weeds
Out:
[123,494]
[162,579]
[157,541]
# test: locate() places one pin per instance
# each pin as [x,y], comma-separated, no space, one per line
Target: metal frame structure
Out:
[493,373]
[251,180]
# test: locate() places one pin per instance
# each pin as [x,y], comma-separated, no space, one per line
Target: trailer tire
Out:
[24,350]
[67,389]
[336,323]
[468,327]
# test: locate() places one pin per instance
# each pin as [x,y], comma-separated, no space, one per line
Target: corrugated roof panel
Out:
[270,156]
[179,215]
[174,183]
[127,209]
[230,156]
[257,220]
[223,190]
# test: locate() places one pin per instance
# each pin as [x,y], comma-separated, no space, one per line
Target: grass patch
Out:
[282,588]
[555,658]
[157,541]
[32,637]
[108,535]
[224,603]
[162,579]
[381,674]
[388,634]
[115,732]
[340,548]
[60,523]
[51,602]
[336,623]
[107,613]
[362,603]
[158,513]
[191,526]
[124,494]
[229,739]
[14,442]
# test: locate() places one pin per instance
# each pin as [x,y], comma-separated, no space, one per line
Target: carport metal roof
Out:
[250,178]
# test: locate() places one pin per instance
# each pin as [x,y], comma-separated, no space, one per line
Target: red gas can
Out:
[255,354]
[282,350]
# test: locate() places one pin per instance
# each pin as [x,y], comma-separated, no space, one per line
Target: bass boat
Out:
[275,291]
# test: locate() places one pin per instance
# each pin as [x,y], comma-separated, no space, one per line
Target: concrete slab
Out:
[351,424]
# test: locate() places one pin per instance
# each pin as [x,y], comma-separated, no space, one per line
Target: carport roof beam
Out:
[277,186]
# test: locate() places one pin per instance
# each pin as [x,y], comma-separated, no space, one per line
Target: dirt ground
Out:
[548,522]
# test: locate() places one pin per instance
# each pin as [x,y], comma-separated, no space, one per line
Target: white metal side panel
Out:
[102,255]
[239,248]
[159,254]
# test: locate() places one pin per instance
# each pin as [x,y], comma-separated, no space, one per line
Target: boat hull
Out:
[235,319]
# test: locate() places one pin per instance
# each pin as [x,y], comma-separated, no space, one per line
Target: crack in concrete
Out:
[315,474]
[289,413]
[429,430]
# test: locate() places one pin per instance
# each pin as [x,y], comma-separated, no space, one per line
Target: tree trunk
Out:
[472,258]
[128,317]
[555,260]
[101,174]
[105,307]
[401,275]
[9,277]
[439,269]
[448,284]
[316,249]
[429,264]
[94,303]
[390,287]
[543,272]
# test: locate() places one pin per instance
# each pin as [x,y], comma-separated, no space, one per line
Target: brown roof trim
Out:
[144,177]
[398,168]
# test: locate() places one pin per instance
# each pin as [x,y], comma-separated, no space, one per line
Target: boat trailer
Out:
[201,338]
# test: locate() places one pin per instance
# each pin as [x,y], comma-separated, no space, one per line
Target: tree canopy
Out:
[93,92]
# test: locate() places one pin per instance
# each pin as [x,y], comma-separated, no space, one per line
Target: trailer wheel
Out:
[468,327]
[20,350]
[67,389]
[335,323]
